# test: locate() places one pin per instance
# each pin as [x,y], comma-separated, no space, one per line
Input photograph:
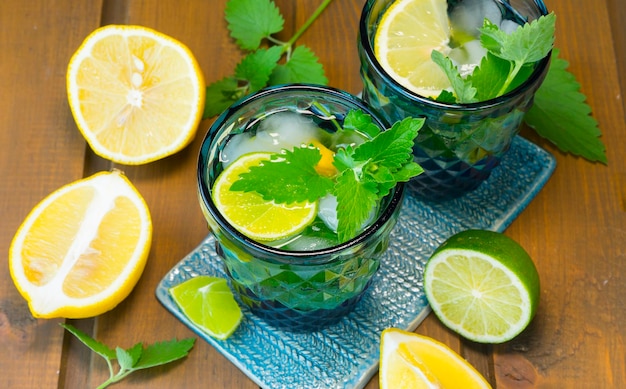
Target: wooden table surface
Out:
[575,228]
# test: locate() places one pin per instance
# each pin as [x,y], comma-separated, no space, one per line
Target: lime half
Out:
[209,303]
[482,285]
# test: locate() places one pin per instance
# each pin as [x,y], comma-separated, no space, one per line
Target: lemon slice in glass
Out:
[408,32]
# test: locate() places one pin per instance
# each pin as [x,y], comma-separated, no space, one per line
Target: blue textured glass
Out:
[460,144]
[300,290]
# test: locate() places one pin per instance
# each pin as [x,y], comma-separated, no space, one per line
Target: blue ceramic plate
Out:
[345,355]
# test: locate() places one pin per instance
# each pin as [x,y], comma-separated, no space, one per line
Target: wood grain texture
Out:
[575,229]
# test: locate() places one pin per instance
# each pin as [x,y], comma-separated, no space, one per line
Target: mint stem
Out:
[509,79]
[308,23]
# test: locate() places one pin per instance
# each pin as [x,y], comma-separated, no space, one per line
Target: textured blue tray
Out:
[346,354]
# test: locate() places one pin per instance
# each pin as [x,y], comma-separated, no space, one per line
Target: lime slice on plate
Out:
[482,285]
[209,303]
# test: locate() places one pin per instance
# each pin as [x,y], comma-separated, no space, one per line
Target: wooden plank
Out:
[169,187]
[574,230]
[41,151]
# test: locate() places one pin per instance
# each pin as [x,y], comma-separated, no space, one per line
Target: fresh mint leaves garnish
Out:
[561,115]
[134,358]
[508,55]
[365,174]
[252,23]
[559,112]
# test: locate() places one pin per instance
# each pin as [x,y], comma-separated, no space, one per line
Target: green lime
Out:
[482,285]
[253,216]
[209,303]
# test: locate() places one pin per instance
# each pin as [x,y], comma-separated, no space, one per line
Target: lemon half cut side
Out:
[83,248]
[137,95]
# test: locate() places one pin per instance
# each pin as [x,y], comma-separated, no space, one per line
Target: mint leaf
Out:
[529,43]
[355,201]
[465,92]
[256,67]
[134,358]
[289,177]
[250,21]
[220,95]
[392,148]
[97,347]
[357,120]
[161,353]
[127,359]
[302,67]
[560,114]
[526,45]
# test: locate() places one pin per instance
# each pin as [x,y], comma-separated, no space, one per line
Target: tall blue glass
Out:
[460,144]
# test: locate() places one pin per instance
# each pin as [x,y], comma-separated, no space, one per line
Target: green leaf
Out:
[561,115]
[357,120]
[465,92]
[355,201]
[489,77]
[161,353]
[256,67]
[125,359]
[302,67]
[527,44]
[97,347]
[289,177]
[392,148]
[220,95]
[250,21]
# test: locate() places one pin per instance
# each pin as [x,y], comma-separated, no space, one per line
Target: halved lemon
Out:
[412,361]
[253,216]
[82,249]
[136,94]
[408,32]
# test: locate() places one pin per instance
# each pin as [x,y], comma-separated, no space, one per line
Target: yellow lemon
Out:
[408,32]
[136,95]
[82,249]
[412,361]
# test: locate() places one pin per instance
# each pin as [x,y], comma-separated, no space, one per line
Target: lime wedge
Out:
[482,285]
[209,303]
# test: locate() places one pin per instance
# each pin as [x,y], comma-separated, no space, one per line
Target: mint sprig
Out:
[253,23]
[365,174]
[508,55]
[559,112]
[134,358]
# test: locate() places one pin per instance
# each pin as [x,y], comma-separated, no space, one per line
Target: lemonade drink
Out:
[310,278]
[461,143]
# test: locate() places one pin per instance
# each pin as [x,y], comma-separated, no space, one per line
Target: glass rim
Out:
[533,79]
[281,255]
